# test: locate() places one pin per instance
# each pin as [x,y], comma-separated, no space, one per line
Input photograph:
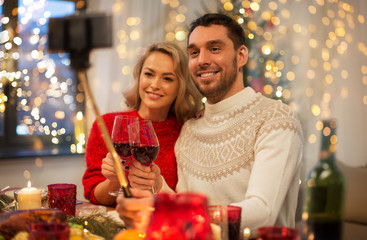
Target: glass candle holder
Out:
[234,222]
[180,216]
[63,197]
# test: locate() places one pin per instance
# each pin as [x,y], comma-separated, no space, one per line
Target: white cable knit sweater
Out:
[245,151]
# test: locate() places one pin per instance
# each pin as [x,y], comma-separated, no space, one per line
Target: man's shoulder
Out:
[275,109]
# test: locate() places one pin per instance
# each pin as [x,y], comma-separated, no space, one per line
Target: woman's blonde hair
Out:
[188,100]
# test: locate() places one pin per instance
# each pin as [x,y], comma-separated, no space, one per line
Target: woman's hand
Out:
[136,211]
[108,168]
[145,177]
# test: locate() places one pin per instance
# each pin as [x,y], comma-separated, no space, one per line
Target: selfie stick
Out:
[78,34]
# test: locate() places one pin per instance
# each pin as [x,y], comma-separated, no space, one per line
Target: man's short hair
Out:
[235,31]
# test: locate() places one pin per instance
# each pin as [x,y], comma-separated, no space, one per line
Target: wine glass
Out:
[144,143]
[120,136]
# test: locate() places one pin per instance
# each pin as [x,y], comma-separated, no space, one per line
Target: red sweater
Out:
[167,133]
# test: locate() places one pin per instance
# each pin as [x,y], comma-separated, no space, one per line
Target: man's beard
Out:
[217,93]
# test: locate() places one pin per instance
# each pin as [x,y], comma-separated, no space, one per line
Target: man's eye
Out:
[215,49]
[193,53]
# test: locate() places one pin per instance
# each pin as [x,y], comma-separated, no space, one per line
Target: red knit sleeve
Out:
[95,151]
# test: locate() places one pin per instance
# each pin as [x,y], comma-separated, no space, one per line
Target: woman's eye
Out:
[168,79]
[148,74]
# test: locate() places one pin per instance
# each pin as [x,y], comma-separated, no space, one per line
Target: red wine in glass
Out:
[145,154]
[143,142]
[120,135]
[122,149]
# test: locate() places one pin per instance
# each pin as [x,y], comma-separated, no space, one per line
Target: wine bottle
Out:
[325,188]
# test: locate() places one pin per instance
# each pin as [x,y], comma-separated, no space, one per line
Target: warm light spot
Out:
[268,89]
[365,100]
[297,28]
[266,49]
[268,36]
[131,21]
[325,21]
[325,54]
[311,183]
[273,5]
[315,110]
[364,69]
[228,6]
[254,6]
[134,35]
[312,9]
[246,4]
[329,79]
[246,233]
[313,43]
[331,13]
[27,174]
[311,74]
[327,66]
[59,114]
[295,59]
[38,162]
[329,43]
[170,36]
[312,138]
[285,13]
[333,139]
[275,20]
[361,18]
[180,35]
[174,3]
[180,18]
[344,74]
[326,97]
[252,25]
[286,94]
[291,76]
[340,32]
[344,93]
[326,131]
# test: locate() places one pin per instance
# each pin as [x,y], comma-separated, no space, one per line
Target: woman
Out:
[163,93]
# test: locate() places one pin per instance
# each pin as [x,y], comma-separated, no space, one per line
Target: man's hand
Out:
[145,177]
[136,211]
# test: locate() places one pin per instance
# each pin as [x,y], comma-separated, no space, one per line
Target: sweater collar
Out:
[243,97]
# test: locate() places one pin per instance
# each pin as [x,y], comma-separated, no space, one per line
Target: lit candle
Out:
[29,198]
[246,233]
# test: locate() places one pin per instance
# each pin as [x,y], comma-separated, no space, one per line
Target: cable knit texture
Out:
[167,133]
[245,151]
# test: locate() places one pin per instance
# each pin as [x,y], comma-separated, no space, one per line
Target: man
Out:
[246,149]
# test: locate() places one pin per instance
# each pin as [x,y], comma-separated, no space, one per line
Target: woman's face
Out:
[158,83]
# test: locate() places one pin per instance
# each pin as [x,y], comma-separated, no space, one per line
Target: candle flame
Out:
[246,233]
[29,184]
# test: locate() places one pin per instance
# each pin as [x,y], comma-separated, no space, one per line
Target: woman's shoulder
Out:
[112,115]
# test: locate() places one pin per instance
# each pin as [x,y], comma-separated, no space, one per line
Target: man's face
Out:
[213,62]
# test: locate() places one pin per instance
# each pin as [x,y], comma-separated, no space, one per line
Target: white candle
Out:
[29,198]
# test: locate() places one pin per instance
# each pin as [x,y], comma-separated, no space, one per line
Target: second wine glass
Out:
[144,143]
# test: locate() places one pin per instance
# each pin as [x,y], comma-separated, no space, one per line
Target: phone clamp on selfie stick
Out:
[78,35]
